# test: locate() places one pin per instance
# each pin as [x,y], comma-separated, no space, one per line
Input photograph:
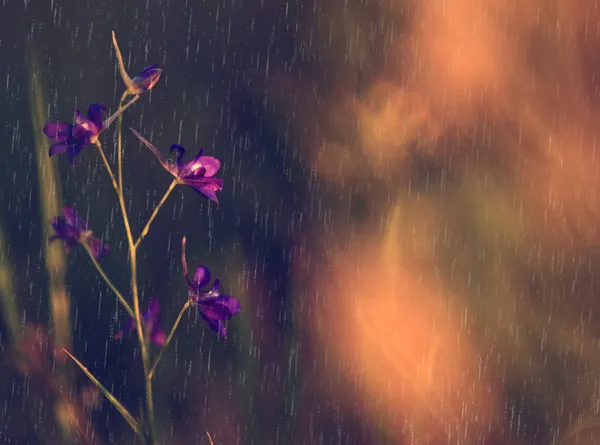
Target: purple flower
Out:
[144,81]
[71,139]
[151,325]
[73,229]
[214,307]
[198,173]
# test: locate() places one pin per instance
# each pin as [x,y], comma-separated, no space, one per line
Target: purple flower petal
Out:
[73,151]
[198,166]
[214,307]
[82,134]
[85,129]
[73,229]
[158,337]
[59,131]
[74,220]
[209,193]
[59,147]
[215,290]
[207,186]
[220,308]
[64,230]
[153,310]
[201,277]
[96,113]
[180,152]
[146,80]
[150,322]
[72,139]
[128,327]
[192,170]
[216,325]
[149,70]
[97,247]
[78,118]
[197,173]
[211,165]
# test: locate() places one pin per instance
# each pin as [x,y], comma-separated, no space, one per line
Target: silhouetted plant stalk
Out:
[58,380]
[199,173]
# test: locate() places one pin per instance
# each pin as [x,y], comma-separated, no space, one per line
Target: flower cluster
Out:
[214,307]
[151,325]
[73,138]
[199,173]
[73,229]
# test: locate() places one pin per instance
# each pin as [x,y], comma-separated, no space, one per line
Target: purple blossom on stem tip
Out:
[146,80]
[214,307]
[71,139]
[73,229]
[197,173]
[151,324]
[141,83]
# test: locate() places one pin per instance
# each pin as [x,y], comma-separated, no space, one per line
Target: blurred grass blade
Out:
[112,399]
[10,312]
[50,199]
[210,439]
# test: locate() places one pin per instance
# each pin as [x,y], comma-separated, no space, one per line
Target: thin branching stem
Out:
[111,398]
[120,142]
[183,310]
[107,280]
[107,165]
[136,301]
[159,205]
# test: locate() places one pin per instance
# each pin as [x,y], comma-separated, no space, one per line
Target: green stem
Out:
[183,309]
[108,282]
[120,141]
[107,165]
[112,399]
[136,300]
[149,223]
[139,323]
[210,439]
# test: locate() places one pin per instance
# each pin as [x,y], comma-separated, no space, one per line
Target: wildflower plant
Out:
[215,308]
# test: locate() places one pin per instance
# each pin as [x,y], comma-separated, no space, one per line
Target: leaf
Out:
[112,399]
[126,79]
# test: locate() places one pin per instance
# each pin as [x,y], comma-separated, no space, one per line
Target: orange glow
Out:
[502,97]
[404,342]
